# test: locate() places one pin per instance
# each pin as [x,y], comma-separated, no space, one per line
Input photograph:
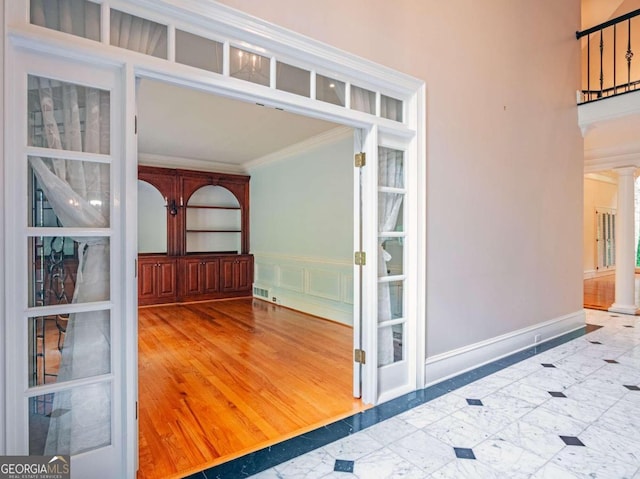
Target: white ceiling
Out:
[184,123]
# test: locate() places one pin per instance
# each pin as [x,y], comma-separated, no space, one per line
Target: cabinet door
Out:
[146,279]
[191,276]
[210,276]
[166,279]
[243,273]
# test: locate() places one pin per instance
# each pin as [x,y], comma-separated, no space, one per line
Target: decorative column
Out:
[625,300]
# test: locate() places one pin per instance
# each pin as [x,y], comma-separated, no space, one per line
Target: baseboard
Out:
[594,273]
[321,309]
[443,366]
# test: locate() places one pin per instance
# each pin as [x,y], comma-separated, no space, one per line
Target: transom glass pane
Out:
[391,108]
[65,116]
[138,34]
[67,270]
[249,66]
[77,17]
[198,51]
[63,347]
[293,79]
[330,90]
[71,421]
[363,100]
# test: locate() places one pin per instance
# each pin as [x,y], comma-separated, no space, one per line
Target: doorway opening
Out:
[219,379]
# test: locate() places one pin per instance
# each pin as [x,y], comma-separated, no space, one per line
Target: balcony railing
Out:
[607,58]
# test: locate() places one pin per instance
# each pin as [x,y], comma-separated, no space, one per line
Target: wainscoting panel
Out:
[315,286]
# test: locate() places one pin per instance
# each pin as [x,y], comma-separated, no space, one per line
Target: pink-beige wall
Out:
[504,152]
[597,194]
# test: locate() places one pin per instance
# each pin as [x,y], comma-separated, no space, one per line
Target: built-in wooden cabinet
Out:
[207,228]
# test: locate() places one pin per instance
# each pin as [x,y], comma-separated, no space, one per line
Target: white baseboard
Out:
[449,364]
[324,310]
[594,273]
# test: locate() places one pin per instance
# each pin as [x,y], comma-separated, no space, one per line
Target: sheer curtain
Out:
[390,173]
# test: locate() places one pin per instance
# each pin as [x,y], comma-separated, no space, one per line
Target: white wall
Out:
[152,219]
[597,194]
[504,153]
[302,229]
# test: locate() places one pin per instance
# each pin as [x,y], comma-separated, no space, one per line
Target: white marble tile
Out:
[626,449]
[632,397]
[353,447]
[312,465]
[531,394]
[507,404]
[601,399]
[586,412]
[508,458]
[447,403]
[588,463]
[535,439]
[423,451]
[386,464]
[554,422]
[466,468]
[622,418]
[482,387]
[423,415]
[456,432]
[606,386]
[529,365]
[512,373]
[553,379]
[552,471]
[390,430]
[489,420]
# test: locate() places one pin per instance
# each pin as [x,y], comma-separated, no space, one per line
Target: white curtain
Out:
[138,34]
[363,100]
[390,173]
[77,17]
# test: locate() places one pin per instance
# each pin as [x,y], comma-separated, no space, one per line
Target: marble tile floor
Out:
[569,408]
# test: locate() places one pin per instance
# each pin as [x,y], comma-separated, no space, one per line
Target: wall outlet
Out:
[274,299]
[537,338]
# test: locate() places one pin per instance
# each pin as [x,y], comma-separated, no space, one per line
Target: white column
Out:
[625,301]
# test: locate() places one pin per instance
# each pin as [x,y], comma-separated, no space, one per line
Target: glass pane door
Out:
[64,338]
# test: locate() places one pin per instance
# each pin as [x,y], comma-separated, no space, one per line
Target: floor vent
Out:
[261,292]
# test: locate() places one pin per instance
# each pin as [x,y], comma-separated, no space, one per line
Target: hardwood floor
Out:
[220,379]
[599,293]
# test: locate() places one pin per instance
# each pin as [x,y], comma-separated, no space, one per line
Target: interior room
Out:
[245,234]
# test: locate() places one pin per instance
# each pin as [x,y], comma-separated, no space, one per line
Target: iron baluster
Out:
[629,56]
[601,69]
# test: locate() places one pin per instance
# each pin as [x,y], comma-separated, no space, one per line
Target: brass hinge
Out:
[360,159]
[359,356]
[360,258]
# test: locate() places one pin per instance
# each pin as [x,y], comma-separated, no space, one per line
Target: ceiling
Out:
[178,122]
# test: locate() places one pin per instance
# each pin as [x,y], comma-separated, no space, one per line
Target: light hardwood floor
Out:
[599,293]
[220,379]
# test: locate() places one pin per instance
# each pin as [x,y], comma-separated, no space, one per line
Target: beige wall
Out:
[597,194]
[504,161]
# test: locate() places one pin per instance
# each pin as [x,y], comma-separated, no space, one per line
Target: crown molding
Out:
[329,137]
[152,159]
[600,177]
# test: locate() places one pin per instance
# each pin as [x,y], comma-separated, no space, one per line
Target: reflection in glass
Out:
[363,100]
[391,108]
[390,344]
[138,34]
[293,79]
[198,51]
[65,116]
[249,66]
[62,350]
[77,17]
[330,90]
[70,421]
[393,252]
[67,270]
[152,219]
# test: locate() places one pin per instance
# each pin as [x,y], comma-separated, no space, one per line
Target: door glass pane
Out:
[198,51]
[390,344]
[71,421]
[390,167]
[152,219]
[67,270]
[330,90]
[391,108]
[363,100]
[390,300]
[64,116]
[138,34]
[293,79]
[68,193]
[63,347]
[249,66]
[393,255]
[390,212]
[77,17]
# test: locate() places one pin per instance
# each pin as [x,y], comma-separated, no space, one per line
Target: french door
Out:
[64,242]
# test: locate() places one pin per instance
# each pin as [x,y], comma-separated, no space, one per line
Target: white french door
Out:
[389,280]
[64,244]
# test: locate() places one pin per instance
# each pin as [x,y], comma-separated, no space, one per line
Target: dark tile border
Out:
[269,457]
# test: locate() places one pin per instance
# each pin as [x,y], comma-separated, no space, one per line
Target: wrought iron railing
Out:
[610,47]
